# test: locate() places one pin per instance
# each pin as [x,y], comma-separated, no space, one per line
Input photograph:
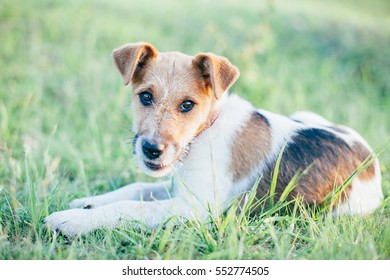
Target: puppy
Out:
[217,146]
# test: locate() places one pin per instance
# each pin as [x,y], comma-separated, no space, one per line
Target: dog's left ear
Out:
[217,71]
[131,59]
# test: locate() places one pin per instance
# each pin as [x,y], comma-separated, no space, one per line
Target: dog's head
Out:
[174,99]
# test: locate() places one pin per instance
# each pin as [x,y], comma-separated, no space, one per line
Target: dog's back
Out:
[321,158]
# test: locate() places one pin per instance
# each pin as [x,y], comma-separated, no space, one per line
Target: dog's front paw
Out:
[71,222]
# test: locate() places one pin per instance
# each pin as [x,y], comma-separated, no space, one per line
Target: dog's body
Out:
[217,146]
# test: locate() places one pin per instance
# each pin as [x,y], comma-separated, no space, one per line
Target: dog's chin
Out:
[154,169]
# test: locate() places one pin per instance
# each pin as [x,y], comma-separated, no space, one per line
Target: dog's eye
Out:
[186,106]
[146,98]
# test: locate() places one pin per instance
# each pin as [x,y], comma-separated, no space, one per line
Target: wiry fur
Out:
[220,148]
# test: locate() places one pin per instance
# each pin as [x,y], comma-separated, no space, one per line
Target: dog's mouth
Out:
[156,169]
[160,166]
[160,169]
[155,166]
[163,164]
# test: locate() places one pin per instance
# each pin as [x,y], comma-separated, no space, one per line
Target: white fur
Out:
[364,197]
[202,181]
[310,118]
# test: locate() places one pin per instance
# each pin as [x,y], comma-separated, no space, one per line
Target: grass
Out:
[64,121]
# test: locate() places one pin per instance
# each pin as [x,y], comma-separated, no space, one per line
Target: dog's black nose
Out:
[150,150]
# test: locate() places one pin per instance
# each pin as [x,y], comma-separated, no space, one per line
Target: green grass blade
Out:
[275,176]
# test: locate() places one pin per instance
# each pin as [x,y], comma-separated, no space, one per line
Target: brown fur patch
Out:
[328,160]
[361,154]
[251,145]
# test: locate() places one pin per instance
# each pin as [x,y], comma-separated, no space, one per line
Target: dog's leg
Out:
[136,191]
[80,221]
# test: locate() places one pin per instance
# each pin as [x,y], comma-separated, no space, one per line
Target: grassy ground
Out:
[64,116]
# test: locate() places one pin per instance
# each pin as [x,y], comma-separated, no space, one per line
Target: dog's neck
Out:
[214,117]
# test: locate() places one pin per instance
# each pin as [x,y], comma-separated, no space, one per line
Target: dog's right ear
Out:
[130,59]
[217,71]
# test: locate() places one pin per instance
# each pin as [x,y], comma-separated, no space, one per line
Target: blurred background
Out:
[64,112]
